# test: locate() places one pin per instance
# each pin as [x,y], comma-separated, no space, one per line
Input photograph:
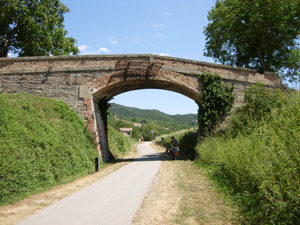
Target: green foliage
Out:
[155,120]
[147,128]
[217,101]
[187,145]
[260,34]
[118,142]
[34,28]
[137,132]
[42,143]
[259,103]
[118,123]
[187,141]
[258,160]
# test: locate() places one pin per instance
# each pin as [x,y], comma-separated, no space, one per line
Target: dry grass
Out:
[181,194]
[14,213]
[161,202]
[200,203]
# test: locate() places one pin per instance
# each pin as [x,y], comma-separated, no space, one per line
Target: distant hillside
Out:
[173,122]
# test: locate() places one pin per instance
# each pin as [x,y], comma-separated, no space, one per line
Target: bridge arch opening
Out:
[177,106]
[106,87]
[165,101]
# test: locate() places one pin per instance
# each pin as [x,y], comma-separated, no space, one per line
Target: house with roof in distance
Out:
[126,131]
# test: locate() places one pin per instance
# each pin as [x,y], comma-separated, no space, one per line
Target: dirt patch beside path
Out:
[181,194]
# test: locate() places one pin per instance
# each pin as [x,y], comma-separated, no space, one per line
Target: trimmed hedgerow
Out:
[42,143]
[187,141]
[118,143]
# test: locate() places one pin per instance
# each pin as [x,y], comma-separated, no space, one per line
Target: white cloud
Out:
[104,50]
[82,48]
[161,54]
[85,50]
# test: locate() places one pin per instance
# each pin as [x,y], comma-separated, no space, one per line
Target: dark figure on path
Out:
[174,143]
[173,148]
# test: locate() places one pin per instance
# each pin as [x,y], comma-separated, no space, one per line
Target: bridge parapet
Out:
[79,63]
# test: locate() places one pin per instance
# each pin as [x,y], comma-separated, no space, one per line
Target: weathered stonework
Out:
[82,81]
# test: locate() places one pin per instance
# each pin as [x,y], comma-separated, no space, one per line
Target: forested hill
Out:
[145,116]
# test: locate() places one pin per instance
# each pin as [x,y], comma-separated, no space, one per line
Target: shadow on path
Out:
[149,157]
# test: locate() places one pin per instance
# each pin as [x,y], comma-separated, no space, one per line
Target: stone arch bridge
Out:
[82,81]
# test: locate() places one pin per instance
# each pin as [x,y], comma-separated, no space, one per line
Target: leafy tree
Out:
[34,28]
[257,34]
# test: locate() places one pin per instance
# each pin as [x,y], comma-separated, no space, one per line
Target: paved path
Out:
[112,200]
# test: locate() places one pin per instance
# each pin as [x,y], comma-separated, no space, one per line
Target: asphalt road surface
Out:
[112,200]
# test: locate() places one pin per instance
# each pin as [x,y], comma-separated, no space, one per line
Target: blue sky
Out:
[165,27]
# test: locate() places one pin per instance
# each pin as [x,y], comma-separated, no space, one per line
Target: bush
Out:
[187,142]
[259,103]
[258,158]
[118,142]
[42,143]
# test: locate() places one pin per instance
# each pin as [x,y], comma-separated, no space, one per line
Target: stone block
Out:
[84,92]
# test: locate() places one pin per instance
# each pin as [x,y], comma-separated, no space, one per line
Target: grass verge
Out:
[257,161]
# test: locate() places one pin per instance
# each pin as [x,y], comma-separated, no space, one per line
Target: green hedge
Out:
[187,141]
[118,142]
[258,159]
[42,143]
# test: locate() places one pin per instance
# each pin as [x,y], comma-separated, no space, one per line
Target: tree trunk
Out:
[4,49]
[261,60]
